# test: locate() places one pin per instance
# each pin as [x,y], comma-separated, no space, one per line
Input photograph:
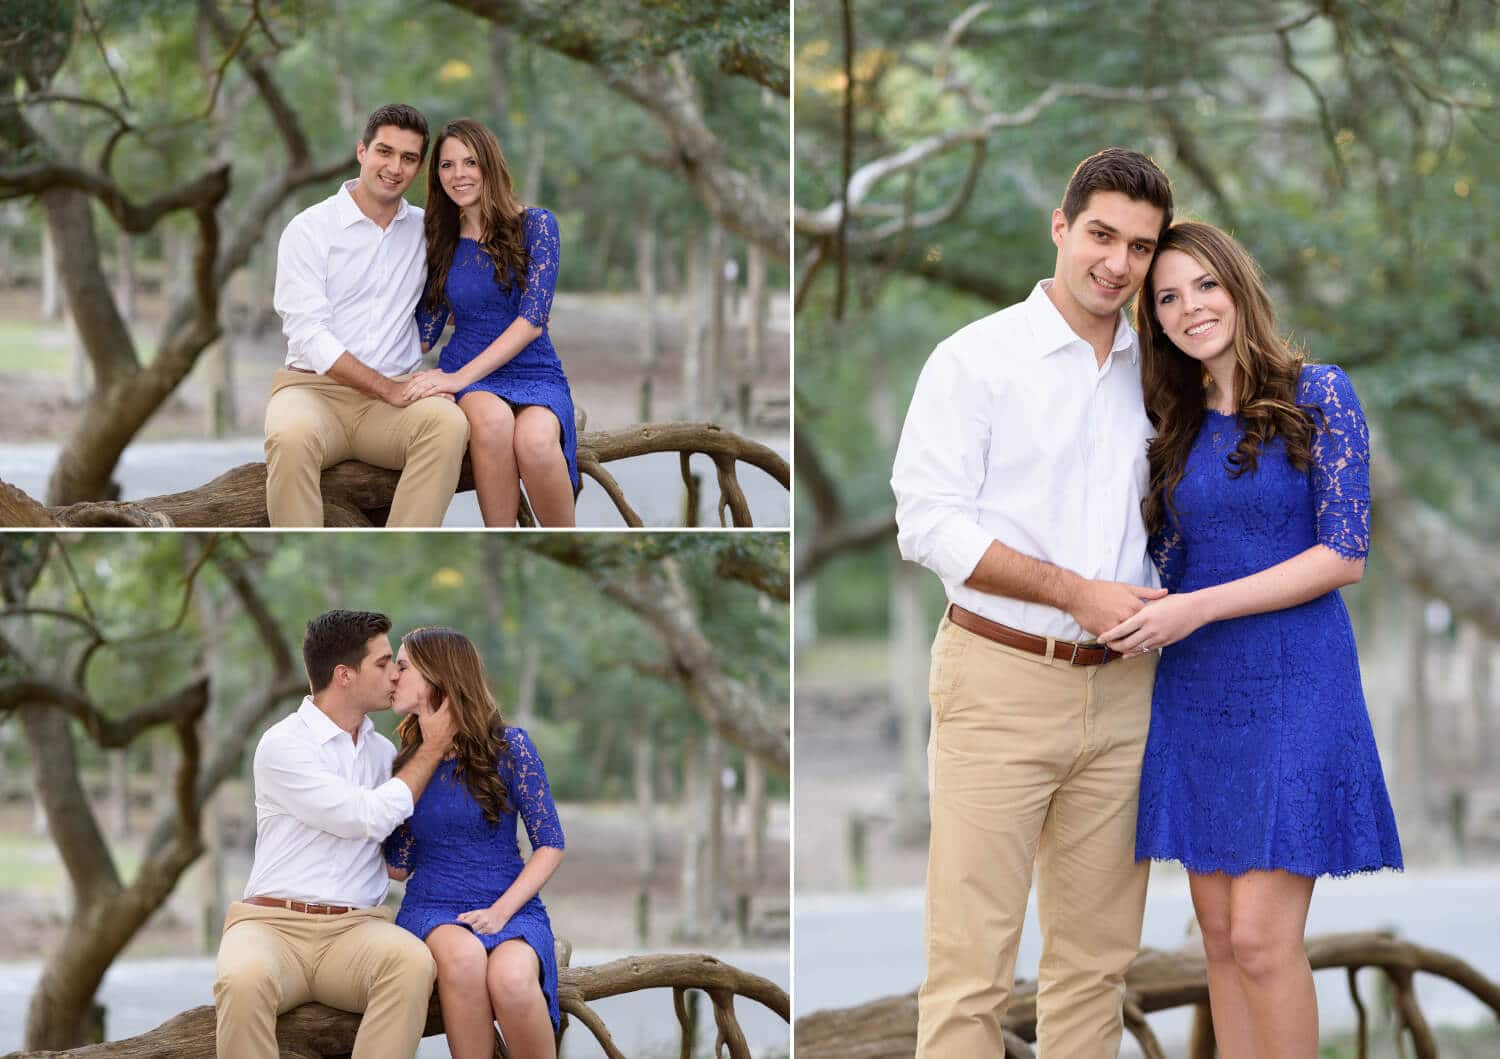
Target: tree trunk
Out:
[500,87]
[911,633]
[715,362]
[757,308]
[119,794]
[756,816]
[1481,685]
[1411,748]
[693,354]
[690,922]
[650,336]
[125,274]
[713,813]
[52,295]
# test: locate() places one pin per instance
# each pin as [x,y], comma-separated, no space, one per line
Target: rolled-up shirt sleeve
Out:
[289,777]
[939,470]
[301,298]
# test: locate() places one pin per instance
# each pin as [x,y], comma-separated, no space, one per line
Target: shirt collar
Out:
[322,726]
[349,211]
[1054,333]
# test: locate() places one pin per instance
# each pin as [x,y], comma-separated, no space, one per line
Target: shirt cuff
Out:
[956,551]
[319,353]
[395,797]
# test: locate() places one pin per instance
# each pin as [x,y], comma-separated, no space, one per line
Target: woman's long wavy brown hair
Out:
[1267,369]
[502,217]
[451,664]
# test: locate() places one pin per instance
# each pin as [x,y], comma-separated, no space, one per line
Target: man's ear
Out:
[1059,226]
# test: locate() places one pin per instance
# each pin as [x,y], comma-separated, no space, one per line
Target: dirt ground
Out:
[592,898]
[595,335]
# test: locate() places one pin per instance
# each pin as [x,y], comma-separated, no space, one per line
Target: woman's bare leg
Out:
[515,988]
[463,995]
[1234,1029]
[492,455]
[1267,921]
[543,467]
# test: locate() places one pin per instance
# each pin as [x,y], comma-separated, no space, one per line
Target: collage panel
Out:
[1032,241]
[399,265]
[251,772]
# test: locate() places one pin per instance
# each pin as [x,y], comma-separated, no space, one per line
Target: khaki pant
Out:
[273,959]
[1033,762]
[313,422]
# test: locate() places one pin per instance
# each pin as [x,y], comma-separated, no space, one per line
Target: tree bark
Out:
[650,333]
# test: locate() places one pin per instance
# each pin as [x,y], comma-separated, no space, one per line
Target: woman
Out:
[471,897]
[492,264]
[1260,772]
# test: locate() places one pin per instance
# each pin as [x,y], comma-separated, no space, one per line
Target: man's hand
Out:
[1102,605]
[438,726]
[432,384]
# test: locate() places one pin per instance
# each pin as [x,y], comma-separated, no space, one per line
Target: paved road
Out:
[141,994]
[652,484]
[854,948]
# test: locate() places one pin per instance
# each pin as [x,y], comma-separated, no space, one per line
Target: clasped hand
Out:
[484,920]
[431,383]
[1159,623]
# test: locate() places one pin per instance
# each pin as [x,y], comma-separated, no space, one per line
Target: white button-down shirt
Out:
[344,283]
[323,804]
[1016,434]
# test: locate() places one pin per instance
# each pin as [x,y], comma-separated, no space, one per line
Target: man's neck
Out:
[1097,331]
[380,215]
[348,717]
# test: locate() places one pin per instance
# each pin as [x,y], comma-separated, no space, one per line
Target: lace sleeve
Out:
[400,848]
[1169,553]
[542,251]
[1341,462]
[529,792]
[430,322]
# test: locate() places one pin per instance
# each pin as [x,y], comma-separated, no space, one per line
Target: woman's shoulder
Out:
[538,219]
[1324,384]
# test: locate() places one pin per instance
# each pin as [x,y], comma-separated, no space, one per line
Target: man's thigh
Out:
[385,434]
[317,409]
[353,960]
[257,950]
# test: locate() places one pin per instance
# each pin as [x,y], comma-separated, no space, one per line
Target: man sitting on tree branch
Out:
[313,925]
[349,271]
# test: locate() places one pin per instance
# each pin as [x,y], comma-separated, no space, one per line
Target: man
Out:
[1018,481]
[349,272]
[312,925]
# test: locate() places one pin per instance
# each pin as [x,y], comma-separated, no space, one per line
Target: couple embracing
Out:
[366,283]
[1055,464]
[339,811]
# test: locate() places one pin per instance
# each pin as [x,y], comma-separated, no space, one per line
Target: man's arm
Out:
[355,373]
[1096,605]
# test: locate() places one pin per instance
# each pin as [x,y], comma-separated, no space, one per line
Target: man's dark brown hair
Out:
[402,117]
[338,638]
[1129,172]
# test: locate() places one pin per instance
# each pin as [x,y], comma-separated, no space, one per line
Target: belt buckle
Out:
[1073,659]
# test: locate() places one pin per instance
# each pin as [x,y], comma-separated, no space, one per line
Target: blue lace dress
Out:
[482,311]
[459,862]
[1260,753]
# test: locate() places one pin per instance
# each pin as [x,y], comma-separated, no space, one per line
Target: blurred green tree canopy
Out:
[1350,146]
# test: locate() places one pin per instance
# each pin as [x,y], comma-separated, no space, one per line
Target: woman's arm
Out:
[539,868]
[1307,575]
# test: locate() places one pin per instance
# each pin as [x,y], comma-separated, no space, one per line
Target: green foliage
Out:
[589,697]
[1361,190]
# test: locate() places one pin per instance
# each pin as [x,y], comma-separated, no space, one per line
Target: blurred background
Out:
[137,135]
[138,671]
[1352,148]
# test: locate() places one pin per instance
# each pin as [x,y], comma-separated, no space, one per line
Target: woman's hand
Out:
[398,874]
[1157,624]
[484,920]
[431,384]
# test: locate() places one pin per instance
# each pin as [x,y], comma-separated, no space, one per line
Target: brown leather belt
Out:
[304,371]
[1078,654]
[298,906]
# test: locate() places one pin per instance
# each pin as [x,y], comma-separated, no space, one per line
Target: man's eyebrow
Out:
[1112,230]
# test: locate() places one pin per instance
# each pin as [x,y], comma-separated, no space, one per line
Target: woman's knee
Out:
[513,978]
[1259,950]
[537,443]
[458,954]
[490,420]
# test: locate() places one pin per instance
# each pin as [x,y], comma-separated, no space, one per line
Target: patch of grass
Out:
[848,660]
[28,348]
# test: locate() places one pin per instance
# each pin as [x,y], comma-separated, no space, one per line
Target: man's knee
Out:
[443,423]
[247,981]
[293,439]
[407,959]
